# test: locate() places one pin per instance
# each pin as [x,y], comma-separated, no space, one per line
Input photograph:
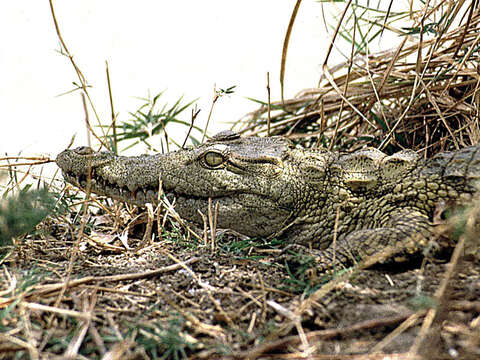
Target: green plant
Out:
[152,119]
[20,213]
[302,277]
[164,340]
[241,248]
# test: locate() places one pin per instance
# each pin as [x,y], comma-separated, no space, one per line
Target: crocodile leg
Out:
[407,232]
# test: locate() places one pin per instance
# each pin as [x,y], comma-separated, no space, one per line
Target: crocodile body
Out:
[346,205]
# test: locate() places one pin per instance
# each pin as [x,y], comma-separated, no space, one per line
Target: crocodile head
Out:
[256,182]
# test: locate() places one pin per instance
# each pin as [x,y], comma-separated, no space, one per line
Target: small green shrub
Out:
[20,213]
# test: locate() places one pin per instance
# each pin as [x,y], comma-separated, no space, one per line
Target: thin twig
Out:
[216,96]
[285,46]
[39,290]
[195,113]
[112,109]
[81,77]
[76,245]
[269,104]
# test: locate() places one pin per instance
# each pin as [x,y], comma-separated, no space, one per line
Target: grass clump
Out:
[422,94]
[152,119]
[164,340]
[20,213]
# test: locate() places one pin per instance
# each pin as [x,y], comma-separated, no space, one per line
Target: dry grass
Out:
[422,94]
[97,280]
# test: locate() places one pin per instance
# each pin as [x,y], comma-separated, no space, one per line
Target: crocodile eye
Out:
[213,159]
[84,150]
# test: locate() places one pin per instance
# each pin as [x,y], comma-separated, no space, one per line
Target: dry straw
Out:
[422,94]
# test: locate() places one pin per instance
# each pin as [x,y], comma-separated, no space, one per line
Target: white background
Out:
[184,47]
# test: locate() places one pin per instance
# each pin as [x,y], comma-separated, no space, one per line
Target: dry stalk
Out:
[80,234]
[112,109]
[195,113]
[80,75]
[206,287]
[216,96]
[395,97]
[147,236]
[269,100]
[285,45]
[205,228]
[40,290]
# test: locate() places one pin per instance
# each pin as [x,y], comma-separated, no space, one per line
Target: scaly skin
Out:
[265,187]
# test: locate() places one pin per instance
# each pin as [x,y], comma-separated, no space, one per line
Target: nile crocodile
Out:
[266,187]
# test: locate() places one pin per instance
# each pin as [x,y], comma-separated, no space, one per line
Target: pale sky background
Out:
[184,47]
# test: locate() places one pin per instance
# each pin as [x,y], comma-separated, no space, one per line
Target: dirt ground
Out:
[238,301]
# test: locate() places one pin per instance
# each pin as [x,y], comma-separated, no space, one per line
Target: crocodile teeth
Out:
[139,195]
[151,195]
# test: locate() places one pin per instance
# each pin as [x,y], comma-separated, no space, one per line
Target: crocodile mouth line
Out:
[102,186]
[140,196]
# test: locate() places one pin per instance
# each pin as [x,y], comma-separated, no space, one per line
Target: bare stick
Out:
[205,228]
[76,245]
[285,45]
[269,104]
[114,116]
[215,98]
[195,113]
[80,75]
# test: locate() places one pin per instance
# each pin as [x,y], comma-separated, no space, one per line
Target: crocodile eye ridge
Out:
[213,159]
